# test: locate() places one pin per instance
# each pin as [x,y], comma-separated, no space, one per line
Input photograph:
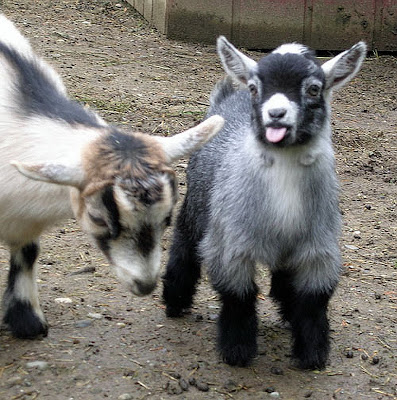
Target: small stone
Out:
[364,357]
[270,389]
[275,395]
[202,386]
[357,235]
[63,300]
[375,360]
[125,396]
[378,296]
[276,371]
[308,394]
[83,323]
[351,247]
[230,385]
[198,317]
[349,354]
[95,315]
[368,206]
[213,317]
[37,364]
[129,372]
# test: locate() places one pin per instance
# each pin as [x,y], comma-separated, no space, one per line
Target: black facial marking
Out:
[39,95]
[145,240]
[113,212]
[103,244]
[285,74]
[149,191]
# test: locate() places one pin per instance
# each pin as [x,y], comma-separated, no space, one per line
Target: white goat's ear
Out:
[342,68]
[235,63]
[186,142]
[52,173]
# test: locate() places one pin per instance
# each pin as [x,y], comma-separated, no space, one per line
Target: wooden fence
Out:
[264,24]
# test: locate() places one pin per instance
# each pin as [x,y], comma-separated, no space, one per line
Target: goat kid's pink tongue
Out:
[274,135]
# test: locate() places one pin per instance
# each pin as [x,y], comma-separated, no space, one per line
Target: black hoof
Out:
[23,322]
[239,355]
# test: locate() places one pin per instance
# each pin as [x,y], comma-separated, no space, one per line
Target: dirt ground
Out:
[104,343]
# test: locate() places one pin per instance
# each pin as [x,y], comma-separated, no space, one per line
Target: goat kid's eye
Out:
[167,221]
[313,90]
[253,89]
[97,220]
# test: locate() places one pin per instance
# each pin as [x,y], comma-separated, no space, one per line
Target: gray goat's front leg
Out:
[182,271]
[23,314]
[238,322]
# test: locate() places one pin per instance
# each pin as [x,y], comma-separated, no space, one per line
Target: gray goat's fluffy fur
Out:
[265,191]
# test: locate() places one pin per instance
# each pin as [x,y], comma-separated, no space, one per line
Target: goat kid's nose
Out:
[277,113]
[144,287]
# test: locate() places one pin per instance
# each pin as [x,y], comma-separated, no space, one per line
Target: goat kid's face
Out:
[127,219]
[123,193]
[289,89]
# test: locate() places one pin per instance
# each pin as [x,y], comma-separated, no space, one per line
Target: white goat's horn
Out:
[186,142]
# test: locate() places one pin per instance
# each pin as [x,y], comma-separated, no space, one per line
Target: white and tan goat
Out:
[58,159]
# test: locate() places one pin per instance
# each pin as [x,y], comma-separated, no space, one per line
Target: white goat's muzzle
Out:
[140,278]
[140,285]
[138,272]
[142,288]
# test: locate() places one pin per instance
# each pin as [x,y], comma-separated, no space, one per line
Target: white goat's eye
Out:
[253,89]
[313,90]
[97,220]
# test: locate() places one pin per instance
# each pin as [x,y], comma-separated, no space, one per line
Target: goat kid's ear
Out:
[51,173]
[235,63]
[342,68]
[186,142]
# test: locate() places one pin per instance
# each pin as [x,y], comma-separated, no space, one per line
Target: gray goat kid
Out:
[265,191]
[119,185]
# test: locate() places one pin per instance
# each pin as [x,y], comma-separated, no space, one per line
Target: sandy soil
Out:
[106,343]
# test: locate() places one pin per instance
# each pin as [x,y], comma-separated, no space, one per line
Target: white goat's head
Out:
[123,192]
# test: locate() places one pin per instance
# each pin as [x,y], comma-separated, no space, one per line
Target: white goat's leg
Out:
[23,314]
